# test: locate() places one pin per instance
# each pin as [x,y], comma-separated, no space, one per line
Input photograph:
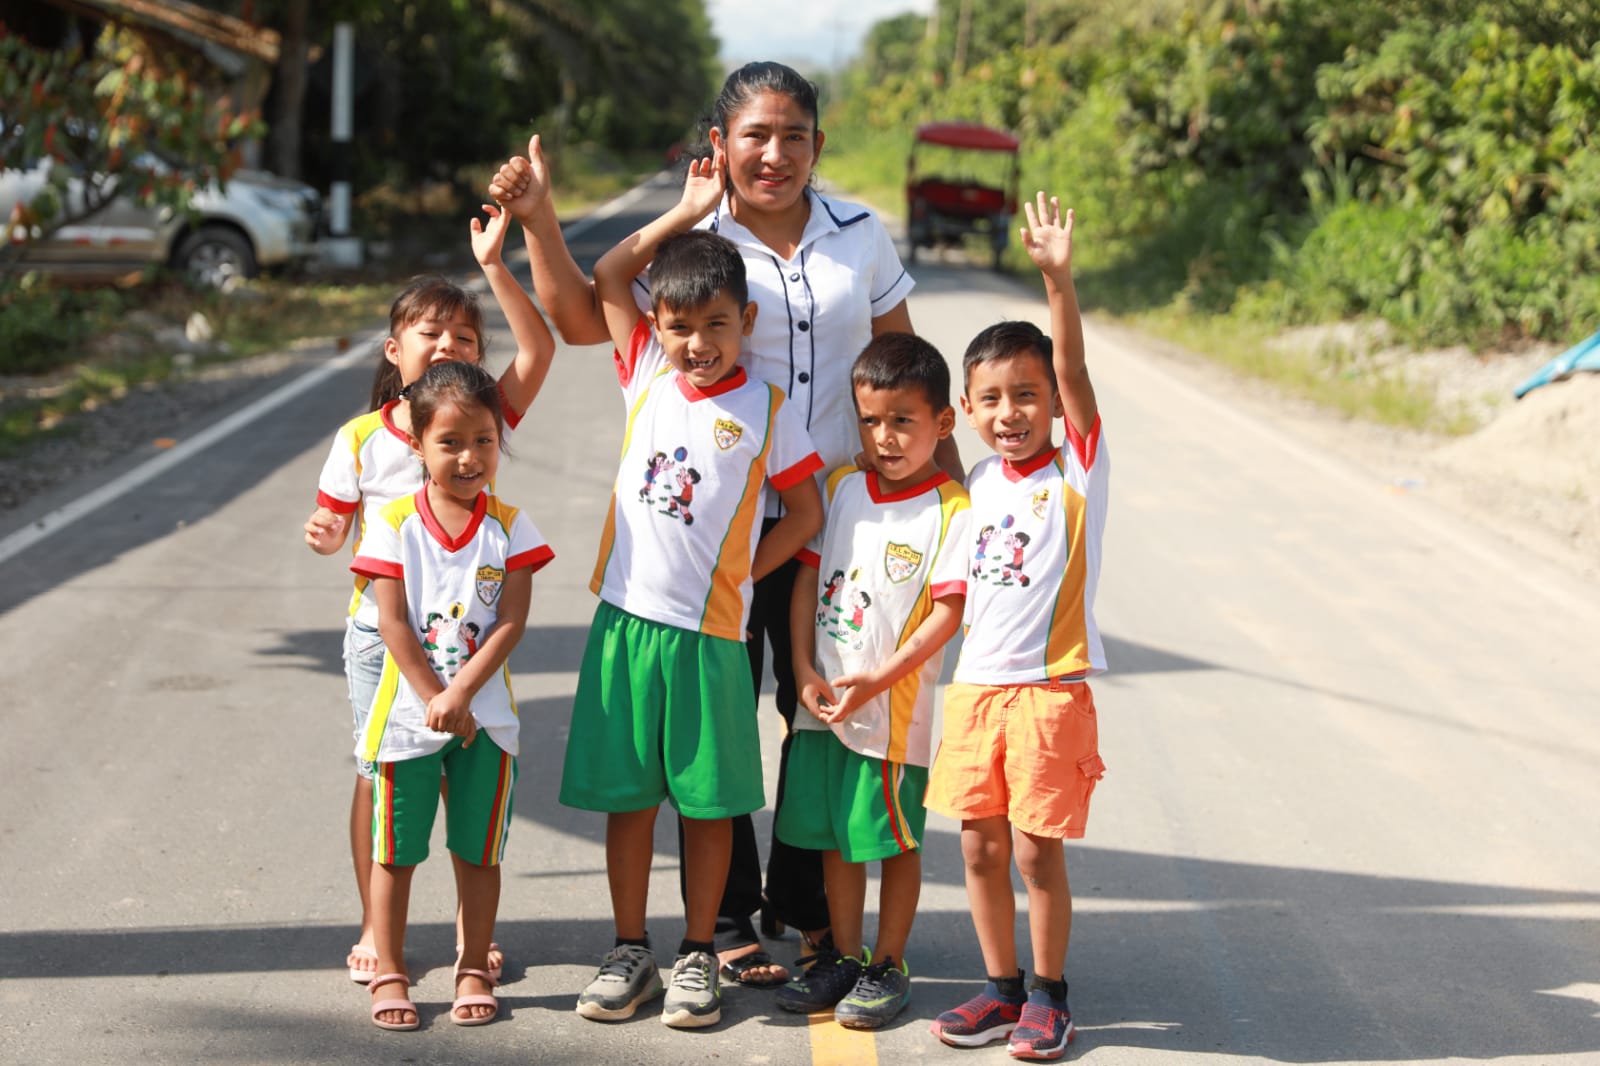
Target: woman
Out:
[826,278]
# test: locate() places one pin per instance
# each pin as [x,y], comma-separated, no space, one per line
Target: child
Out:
[454,564]
[372,464]
[665,707]
[1020,753]
[896,536]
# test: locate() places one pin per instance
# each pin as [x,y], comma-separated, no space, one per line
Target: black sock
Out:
[640,942]
[1056,990]
[689,947]
[1009,987]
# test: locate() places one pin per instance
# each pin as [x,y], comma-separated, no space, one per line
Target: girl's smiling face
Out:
[460,447]
[771,144]
[433,338]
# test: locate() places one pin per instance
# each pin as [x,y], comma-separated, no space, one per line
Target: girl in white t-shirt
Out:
[371,464]
[451,568]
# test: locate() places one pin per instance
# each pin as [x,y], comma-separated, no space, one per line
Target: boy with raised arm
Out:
[1020,757]
[665,707]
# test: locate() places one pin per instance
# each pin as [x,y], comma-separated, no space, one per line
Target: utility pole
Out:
[342,249]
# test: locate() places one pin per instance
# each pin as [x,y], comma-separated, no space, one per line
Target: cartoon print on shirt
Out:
[984,536]
[448,640]
[1003,566]
[687,478]
[845,607]
[654,467]
[1011,561]
[835,583]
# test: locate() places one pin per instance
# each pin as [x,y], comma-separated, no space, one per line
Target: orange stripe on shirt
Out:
[1067,647]
[724,610]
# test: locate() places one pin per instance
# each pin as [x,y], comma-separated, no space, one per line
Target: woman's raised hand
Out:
[702,188]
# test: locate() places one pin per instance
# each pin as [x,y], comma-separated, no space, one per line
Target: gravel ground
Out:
[1531,473]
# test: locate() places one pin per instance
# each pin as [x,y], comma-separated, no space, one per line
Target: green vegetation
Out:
[1276,162]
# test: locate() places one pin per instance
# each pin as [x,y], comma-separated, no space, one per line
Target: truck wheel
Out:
[213,254]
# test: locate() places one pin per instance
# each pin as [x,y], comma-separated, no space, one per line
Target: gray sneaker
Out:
[881,992]
[694,999]
[627,978]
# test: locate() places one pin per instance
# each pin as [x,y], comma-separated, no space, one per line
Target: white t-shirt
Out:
[686,507]
[1035,562]
[370,465]
[881,562]
[452,596]
[814,312]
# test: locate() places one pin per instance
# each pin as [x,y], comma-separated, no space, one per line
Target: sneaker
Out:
[985,1017]
[1044,1030]
[881,992]
[829,979]
[694,999]
[627,977]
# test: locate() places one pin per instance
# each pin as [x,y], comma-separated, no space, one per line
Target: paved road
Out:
[1351,813]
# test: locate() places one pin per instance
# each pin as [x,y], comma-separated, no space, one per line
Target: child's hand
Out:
[1047,237]
[815,695]
[325,530]
[488,240]
[451,712]
[703,188]
[521,185]
[854,690]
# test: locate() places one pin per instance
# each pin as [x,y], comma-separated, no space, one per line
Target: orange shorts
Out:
[1029,753]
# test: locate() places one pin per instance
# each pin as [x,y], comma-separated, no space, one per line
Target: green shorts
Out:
[836,799]
[662,713]
[405,797]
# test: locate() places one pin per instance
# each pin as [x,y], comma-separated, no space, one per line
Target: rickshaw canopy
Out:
[967,135]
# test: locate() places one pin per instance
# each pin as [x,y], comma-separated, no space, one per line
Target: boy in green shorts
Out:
[866,660]
[665,707]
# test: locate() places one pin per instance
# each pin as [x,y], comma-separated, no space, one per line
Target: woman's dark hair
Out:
[903,361]
[1004,340]
[453,384]
[692,269]
[753,79]
[425,297]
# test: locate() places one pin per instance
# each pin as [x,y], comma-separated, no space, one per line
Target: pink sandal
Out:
[394,1004]
[495,972]
[358,975]
[474,1001]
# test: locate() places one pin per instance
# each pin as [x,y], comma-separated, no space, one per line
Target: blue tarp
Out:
[1585,355]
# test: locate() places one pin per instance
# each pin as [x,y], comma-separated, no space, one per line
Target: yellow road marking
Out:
[834,1045]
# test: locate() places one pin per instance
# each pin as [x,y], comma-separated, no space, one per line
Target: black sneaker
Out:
[829,979]
[881,992]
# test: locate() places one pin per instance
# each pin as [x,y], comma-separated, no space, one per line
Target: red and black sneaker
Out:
[1045,1029]
[985,1017]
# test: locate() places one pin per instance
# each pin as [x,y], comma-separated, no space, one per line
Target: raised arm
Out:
[522,187]
[1048,240]
[535,346]
[614,273]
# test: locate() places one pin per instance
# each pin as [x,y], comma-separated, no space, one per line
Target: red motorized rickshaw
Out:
[969,187]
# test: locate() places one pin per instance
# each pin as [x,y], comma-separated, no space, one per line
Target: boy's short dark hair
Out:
[1006,340]
[692,269]
[903,361]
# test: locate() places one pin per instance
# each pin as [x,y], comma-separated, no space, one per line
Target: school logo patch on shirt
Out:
[901,561]
[490,578]
[1041,502]
[727,433]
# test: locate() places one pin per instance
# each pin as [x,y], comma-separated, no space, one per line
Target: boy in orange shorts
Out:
[1020,756]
